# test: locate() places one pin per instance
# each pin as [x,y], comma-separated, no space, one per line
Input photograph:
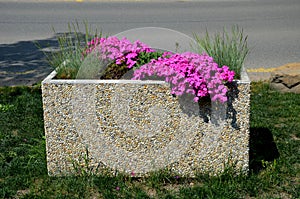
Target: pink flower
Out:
[191,73]
[132,174]
[121,51]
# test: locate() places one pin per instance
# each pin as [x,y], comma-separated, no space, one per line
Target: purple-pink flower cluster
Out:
[187,72]
[191,73]
[116,50]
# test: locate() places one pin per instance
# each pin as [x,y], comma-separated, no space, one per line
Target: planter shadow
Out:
[262,148]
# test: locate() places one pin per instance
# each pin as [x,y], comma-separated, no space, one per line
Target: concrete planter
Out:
[139,126]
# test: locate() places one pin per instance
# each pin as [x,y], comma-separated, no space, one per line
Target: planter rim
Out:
[49,79]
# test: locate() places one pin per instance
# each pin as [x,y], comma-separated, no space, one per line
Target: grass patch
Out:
[275,165]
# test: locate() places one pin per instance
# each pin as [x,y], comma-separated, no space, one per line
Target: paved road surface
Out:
[273,27]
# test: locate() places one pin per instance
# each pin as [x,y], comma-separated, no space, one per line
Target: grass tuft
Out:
[67,59]
[227,48]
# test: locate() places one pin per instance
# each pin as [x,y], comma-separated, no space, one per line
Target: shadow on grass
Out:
[262,148]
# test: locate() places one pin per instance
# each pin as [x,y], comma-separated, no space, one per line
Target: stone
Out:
[128,125]
[286,78]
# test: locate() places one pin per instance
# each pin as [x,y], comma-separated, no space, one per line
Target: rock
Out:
[286,78]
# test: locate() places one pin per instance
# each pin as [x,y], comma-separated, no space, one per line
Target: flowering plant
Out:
[191,73]
[119,55]
[120,51]
[188,72]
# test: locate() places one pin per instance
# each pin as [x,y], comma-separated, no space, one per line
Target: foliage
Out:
[226,49]
[145,57]
[115,71]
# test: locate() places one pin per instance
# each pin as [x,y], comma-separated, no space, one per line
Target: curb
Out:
[260,74]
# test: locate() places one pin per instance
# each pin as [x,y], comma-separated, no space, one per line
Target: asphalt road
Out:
[273,27]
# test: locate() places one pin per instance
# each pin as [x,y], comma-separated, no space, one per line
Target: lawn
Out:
[274,157]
